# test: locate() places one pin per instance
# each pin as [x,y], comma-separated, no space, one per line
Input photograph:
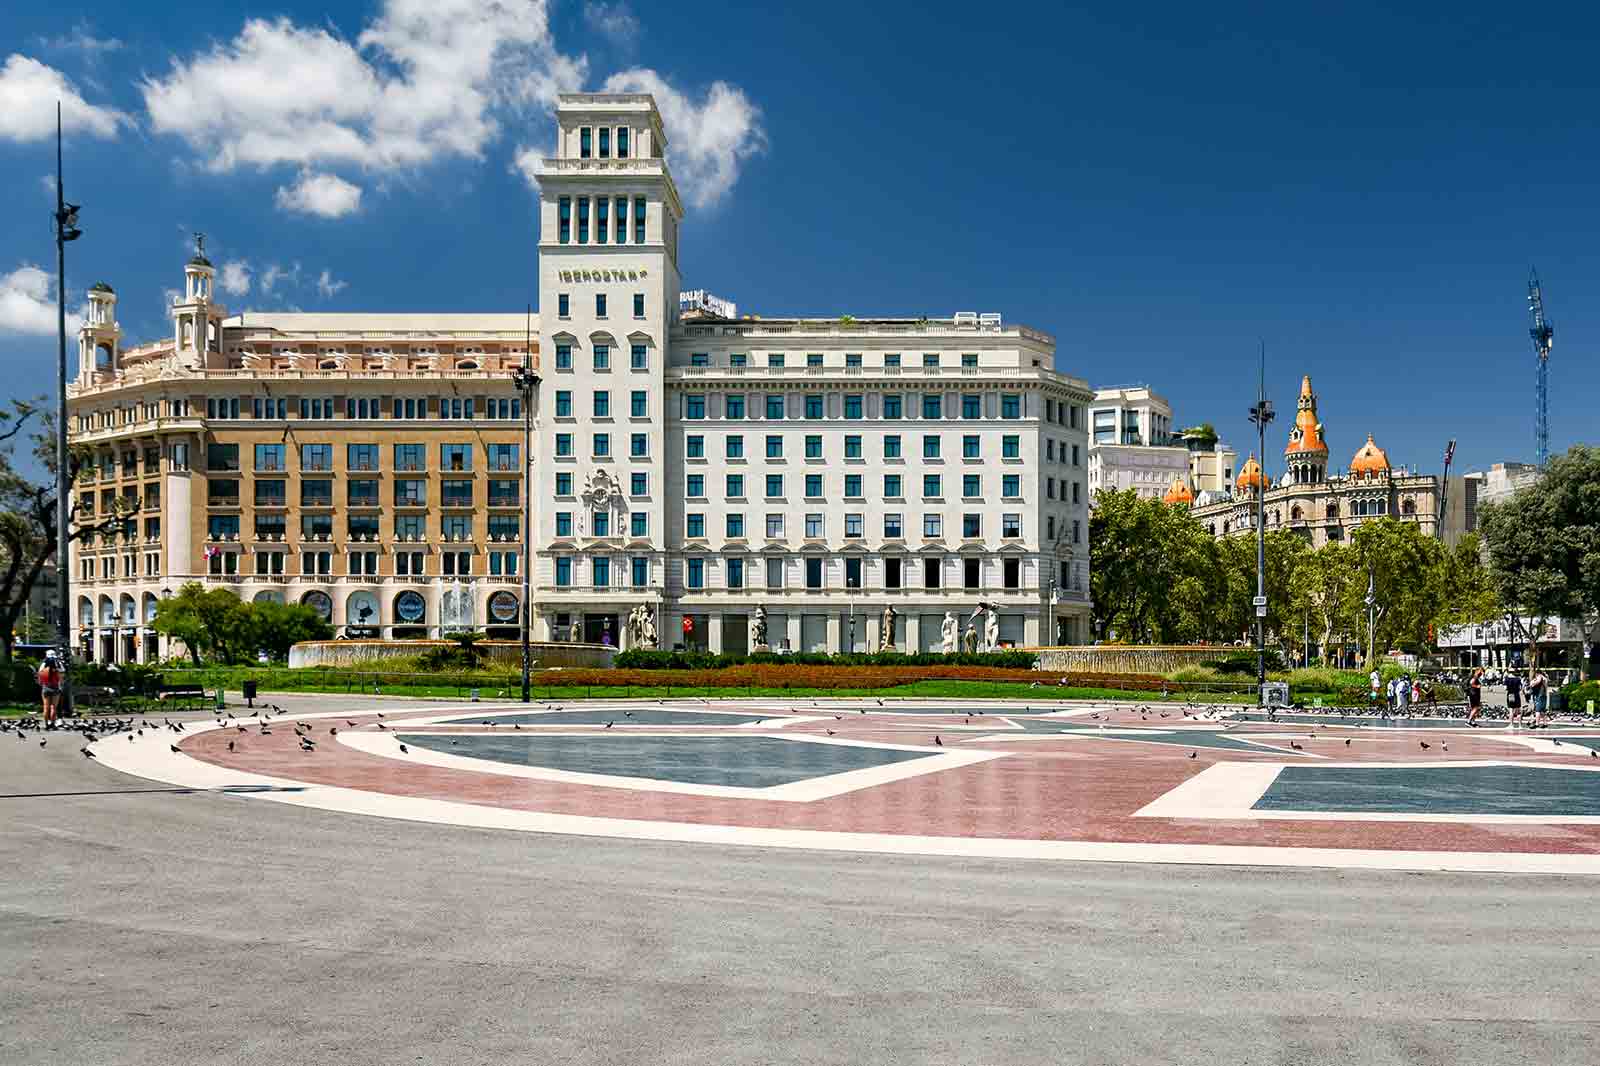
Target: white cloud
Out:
[614,20]
[328,287]
[276,275]
[235,278]
[323,195]
[707,139]
[29,91]
[85,41]
[28,304]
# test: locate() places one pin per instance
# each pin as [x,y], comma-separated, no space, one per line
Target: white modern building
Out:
[706,465]
[1131,444]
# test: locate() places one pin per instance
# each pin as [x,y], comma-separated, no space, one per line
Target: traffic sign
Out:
[1261,612]
[1259,601]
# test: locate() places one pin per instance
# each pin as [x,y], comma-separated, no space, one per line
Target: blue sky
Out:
[1158,186]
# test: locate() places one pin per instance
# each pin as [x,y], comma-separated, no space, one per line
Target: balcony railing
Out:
[316,501]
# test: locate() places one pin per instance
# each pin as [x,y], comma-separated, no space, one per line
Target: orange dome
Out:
[1179,492]
[1249,479]
[1305,439]
[1370,461]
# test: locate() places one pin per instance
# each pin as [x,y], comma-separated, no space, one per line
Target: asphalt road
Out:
[139,925]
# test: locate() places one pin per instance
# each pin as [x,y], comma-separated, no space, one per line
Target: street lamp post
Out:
[1371,600]
[66,220]
[1261,413]
[527,382]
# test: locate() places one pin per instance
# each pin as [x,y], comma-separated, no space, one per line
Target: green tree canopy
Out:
[214,623]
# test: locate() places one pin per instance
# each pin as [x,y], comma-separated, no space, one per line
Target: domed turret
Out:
[1249,478]
[1370,461]
[1179,493]
[1307,452]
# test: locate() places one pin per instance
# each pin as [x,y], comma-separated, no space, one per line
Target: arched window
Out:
[328,364]
[1408,506]
[1332,510]
[467,364]
[1295,514]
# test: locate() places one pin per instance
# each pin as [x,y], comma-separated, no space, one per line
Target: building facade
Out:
[375,466]
[1323,504]
[1131,445]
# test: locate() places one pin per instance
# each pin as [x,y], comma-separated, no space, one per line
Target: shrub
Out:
[647,659]
[1244,662]
[1576,695]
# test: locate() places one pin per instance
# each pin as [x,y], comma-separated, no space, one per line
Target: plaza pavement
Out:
[143,925]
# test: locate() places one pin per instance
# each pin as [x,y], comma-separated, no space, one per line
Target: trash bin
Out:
[249,693]
[1275,694]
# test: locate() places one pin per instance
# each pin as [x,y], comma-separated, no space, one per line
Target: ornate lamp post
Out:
[1261,413]
[527,382]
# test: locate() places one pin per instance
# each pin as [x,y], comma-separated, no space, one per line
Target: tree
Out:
[216,623]
[277,627]
[1406,568]
[1153,576]
[1323,581]
[28,513]
[1544,544]
[1470,597]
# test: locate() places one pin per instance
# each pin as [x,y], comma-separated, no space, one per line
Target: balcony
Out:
[316,501]
[363,537]
[499,500]
[272,502]
[222,501]
[270,536]
[364,500]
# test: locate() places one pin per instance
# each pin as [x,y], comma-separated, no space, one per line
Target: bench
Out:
[95,696]
[188,692]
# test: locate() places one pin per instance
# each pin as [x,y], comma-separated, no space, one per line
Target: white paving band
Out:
[149,757]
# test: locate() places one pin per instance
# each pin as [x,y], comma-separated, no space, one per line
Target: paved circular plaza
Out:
[1117,783]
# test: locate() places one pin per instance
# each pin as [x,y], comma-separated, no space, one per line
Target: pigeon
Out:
[1295,746]
[830,732]
[1347,742]
[404,749]
[42,743]
[1557,743]
[173,748]
[516,725]
[333,730]
[1594,754]
[1443,746]
[230,745]
[629,714]
[610,724]
[939,742]
[349,723]
[240,728]
[382,726]
[1193,754]
[1425,744]
[838,718]
[380,714]
[87,754]
[130,738]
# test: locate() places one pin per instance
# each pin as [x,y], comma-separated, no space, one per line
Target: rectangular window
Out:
[1075,492]
[361,457]
[563,306]
[564,484]
[316,492]
[585,143]
[735,526]
[971,573]
[813,446]
[641,571]
[971,486]
[638,404]
[774,486]
[503,457]
[932,405]
[563,572]
[409,527]
[622,153]
[694,407]
[639,524]
[504,492]
[931,572]
[813,485]
[738,359]
[734,486]
[813,573]
[455,493]
[891,573]
[891,359]
[852,486]
[563,357]
[694,446]
[602,218]
[601,523]
[697,574]
[602,357]
[774,407]
[695,486]
[971,406]
[930,359]
[599,305]
[563,445]
[1011,486]
[891,486]
[1010,406]
[638,305]
[273,492]
[638,219]
[774,447]
[852,359]
[1011,526]
[733,446]
[892,406]
[361,492]
[852,446]
[813,406]
[269,457]
[932,486]
[583,220]
[1012,571]
[969,446]
[930,446]
[969,359]
[775,359]
[455,457]
[735,569]
[854,528]
[564,224]
[775,526]
[602,403]
[602,445]
[1010,446]
[312,457]
[638,358]
[971,526]
[891,446]
[638,446]
[852,406]
[814,526]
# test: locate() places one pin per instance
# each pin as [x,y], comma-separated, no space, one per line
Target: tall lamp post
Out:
[1371,600]
[1260,414]
[527,382]
[66,220]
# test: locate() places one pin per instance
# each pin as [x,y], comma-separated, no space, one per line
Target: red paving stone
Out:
[1083,789]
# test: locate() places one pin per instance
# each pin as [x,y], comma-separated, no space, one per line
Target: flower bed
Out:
[787,675]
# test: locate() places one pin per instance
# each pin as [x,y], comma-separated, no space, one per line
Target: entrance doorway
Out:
[600,629]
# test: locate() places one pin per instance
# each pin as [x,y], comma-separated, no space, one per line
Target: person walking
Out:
[49,677]
[1475,697]
[1402,694]
[1538,695]
[1514,697]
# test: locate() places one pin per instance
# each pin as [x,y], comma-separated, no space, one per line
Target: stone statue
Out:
[991,630]
[949,631]
[886,641]
[648,626]
[969,640]
[758,628]
[575,631]
[641,627]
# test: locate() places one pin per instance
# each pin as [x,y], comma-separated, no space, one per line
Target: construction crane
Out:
[1543,333]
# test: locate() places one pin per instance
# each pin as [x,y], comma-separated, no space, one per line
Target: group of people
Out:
[1403,691]
[1536,688]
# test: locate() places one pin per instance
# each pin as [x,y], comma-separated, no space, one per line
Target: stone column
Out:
[836,631]
[714,632]
[1030,629]
[792,629]
[874,629]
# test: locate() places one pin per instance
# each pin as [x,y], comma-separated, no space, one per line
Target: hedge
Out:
[647,659]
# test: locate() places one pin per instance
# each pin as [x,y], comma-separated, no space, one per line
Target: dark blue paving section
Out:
[1535,790]
[1188,738]
[1592,741]
[1365,721]
[598,716]
[743,762]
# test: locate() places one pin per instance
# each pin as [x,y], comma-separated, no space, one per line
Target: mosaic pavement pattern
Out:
[1119,783]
